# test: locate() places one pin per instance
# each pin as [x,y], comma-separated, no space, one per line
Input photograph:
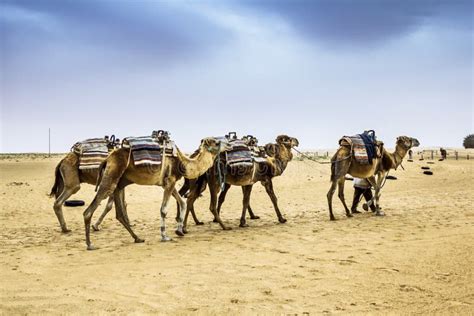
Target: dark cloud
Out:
[147,28]
[364,22]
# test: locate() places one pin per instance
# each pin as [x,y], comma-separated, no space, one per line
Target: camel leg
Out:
[192,197]
[70,185]
[168,190]
[119,200]
[58,206]
[107,188]
[246,191]
[269,188]
[330,194]
[222,199]
[373,183]
[378,186]
[88,215]
[182,210]
[214,190]
[340,183]
[195,218]
[252,214]
[108,207]
[184,192]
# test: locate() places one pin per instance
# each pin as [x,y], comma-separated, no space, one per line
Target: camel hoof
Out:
[355,212]
[185,230]
[165,239]
[91,247]
[365,207]
[66,231]
[95,227]
[244,225]
[282,220]
[379,213]
[348,214]
[227,228]
[179,232]
[199,223]
[215,221]
[332,218]
[139,240]
[255,217]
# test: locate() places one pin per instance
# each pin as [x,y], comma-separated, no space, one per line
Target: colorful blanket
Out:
[239,155]
[146,150]
[363,147]
[92,152]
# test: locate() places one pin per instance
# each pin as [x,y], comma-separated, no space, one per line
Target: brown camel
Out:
[118,171]
[246,177]
[68,179]
[200,184]
[343,163]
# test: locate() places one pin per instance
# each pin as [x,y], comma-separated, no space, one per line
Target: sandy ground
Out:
[417,259]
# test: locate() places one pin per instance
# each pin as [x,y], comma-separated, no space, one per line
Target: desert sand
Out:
[417,259]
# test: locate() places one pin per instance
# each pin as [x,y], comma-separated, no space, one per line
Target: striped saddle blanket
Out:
[363,148]
[92,152]
[239,155]
[147,150]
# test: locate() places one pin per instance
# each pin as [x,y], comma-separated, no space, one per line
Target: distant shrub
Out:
[468,141]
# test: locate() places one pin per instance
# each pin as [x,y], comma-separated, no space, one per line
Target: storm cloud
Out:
[364,22]
[156,30]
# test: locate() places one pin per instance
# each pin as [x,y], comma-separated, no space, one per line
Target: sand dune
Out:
[417,259]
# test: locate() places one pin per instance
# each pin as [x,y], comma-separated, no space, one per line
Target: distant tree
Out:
[468,141]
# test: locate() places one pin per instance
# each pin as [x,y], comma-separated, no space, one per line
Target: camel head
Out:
[287,141]
[407,142]
[214,146]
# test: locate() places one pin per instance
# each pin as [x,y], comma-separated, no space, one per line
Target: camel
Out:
[246,177]
[68,179]
[200,184]
[343,162]
[119,171]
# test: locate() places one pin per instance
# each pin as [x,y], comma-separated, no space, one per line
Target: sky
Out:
[315,70]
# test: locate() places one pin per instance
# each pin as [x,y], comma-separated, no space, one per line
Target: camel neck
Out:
[398,156]
[194,167]
[283,158]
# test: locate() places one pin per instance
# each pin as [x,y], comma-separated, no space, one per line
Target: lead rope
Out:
[320,162]
[220,174]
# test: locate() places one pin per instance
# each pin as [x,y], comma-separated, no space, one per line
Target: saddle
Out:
[364,147]
[149,150]
[243,151]
[92,152]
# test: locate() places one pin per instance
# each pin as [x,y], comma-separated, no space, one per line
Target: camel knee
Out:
[57,207]
[330,194]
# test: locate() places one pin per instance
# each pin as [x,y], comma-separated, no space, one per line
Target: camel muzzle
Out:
[415,142]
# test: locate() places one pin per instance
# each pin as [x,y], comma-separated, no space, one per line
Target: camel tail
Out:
[58,179]
[101,173]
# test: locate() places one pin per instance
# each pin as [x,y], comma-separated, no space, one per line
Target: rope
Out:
[320,162]
[221,175]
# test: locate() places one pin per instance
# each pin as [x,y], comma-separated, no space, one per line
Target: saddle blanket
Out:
[147,150]
[363,147]
[92,152]
[239,155]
